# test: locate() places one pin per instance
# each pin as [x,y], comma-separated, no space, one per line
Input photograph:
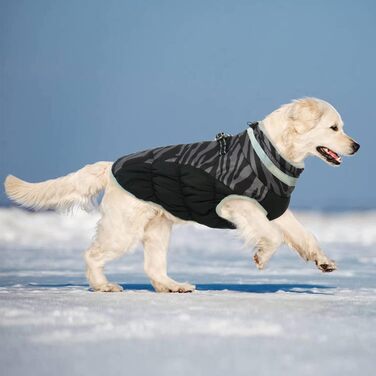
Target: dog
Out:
[301,128]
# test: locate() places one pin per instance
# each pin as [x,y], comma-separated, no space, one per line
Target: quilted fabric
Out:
[190,180]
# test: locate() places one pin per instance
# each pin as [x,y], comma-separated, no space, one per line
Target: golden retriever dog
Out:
[302,128]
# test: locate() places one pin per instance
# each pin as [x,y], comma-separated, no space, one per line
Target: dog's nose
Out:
[355,147]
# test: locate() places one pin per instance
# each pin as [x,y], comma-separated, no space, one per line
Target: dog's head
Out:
[316,128]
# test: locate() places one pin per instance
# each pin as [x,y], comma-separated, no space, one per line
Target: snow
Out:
[290,319]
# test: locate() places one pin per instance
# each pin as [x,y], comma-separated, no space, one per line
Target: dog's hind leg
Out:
[119,230]
[114,238]
[155,240]
[250,219]
[96,257]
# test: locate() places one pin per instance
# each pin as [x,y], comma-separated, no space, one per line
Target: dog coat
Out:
[190,180]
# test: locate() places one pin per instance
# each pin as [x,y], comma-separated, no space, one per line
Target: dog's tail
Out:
[77,189]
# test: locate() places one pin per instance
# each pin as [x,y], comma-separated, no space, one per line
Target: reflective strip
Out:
[287,179]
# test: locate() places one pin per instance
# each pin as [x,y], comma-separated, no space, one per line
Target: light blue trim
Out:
[289,180]
[295,164]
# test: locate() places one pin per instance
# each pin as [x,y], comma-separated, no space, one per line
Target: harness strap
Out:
[221,139]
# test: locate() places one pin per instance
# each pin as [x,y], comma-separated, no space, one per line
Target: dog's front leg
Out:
[298,238]
[250,219]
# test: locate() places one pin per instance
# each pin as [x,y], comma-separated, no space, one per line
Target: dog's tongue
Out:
[333,155]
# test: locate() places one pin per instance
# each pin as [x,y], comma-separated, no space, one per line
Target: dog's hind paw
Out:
[183,287]
[173,287]
[108,287]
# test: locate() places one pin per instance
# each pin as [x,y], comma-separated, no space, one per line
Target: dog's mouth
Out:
[329,155]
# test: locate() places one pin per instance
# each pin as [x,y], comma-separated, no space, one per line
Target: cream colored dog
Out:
[299,129]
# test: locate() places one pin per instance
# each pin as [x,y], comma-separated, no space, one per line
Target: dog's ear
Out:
[305,113]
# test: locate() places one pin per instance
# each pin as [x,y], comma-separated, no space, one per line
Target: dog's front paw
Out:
[108,287]
[326,266]
[260,259]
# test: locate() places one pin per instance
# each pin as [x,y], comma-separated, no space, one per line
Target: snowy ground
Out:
[287,320]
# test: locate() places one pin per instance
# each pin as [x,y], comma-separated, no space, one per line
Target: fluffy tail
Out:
[77,189]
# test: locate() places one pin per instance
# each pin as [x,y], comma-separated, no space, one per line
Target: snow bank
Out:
[287,320]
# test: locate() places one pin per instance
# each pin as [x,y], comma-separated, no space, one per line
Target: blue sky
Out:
[82,81]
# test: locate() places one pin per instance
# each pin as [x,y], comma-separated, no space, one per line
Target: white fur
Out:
[296,129]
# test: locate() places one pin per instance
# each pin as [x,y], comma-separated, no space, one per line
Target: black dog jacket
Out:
[190,180]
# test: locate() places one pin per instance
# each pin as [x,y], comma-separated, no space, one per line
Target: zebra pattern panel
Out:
[240,168]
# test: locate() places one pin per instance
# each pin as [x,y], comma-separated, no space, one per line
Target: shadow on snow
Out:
[246,288]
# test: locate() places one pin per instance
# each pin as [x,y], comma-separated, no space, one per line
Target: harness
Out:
[190,180]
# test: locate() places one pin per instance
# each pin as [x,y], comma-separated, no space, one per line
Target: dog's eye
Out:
[334,127]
